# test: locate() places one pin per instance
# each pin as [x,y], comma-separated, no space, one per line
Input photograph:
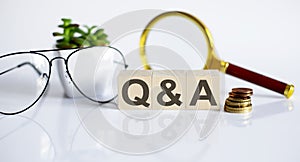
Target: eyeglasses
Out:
[24,76]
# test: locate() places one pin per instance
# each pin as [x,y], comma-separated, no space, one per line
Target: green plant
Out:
[73,36]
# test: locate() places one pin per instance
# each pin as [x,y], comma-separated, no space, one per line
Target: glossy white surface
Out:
[260,35]
[52,131]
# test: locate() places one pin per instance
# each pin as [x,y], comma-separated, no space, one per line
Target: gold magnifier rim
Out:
[212,61]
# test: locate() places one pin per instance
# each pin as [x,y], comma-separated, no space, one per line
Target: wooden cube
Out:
[134,89]
[203,89]
[168,89]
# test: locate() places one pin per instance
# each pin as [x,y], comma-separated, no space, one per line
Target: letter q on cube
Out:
[169,90]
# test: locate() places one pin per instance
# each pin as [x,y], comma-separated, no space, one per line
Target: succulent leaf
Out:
[73,36]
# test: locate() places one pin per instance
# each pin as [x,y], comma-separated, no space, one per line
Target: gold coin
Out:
[237,104]
[239,101]
[248,99]
[239,95]
[238,110]
[242,91]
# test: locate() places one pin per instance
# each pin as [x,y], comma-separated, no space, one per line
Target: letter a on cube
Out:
[203,89]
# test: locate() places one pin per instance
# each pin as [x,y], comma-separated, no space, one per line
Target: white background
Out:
[260,35]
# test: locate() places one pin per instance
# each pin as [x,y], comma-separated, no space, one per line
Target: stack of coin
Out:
[239,101]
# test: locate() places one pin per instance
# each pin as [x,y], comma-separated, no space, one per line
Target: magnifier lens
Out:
[181,35]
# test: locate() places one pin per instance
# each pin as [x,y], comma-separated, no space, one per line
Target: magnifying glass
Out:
[188,28]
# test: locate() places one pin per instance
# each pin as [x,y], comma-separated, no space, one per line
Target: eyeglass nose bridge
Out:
[57,58]
[63,74]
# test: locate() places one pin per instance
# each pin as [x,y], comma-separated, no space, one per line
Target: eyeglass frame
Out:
[39,52]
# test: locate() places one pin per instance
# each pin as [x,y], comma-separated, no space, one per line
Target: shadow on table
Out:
[260,111]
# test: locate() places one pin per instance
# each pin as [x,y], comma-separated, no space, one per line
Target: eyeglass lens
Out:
[23,79]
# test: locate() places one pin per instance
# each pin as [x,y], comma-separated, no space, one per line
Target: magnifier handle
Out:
[261,80]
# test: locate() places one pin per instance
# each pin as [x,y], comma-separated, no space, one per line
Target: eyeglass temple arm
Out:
[22,64]
[120,63]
